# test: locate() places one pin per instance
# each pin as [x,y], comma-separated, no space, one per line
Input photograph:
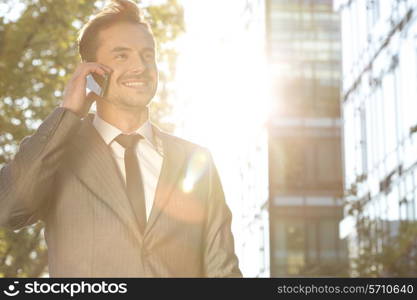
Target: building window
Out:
[328,240]
[305,246]
[295,240]
[306,163]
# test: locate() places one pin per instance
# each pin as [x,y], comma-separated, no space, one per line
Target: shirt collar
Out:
[109,132]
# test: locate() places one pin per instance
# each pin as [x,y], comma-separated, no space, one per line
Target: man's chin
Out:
[129,104]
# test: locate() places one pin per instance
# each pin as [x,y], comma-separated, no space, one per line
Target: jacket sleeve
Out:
[220,259]
[26,180]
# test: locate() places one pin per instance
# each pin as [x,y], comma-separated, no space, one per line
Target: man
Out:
[119,197]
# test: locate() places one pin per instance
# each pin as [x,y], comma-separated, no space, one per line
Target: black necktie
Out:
[134,184]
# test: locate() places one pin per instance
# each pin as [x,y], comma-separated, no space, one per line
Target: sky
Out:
[221,72]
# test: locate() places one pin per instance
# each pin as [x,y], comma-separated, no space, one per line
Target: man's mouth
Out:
[135,83]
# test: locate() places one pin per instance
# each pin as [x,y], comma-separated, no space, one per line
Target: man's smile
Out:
[138,84]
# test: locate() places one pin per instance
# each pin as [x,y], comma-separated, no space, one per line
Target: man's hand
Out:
[75,98]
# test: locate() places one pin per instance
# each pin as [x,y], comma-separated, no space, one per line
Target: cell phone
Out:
[93,85]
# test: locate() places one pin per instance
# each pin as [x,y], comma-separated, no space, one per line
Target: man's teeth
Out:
[136,83]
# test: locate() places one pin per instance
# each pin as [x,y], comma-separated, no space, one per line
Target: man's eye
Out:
[121,56]
[148,56]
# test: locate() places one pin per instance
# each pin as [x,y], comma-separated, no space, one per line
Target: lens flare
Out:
[196,167]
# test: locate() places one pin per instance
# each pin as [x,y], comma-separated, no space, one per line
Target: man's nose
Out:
[138,64]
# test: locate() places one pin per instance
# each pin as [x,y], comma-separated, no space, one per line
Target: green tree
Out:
[38,53]
[383,248]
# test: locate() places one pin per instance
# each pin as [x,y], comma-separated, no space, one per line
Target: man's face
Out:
[129,50]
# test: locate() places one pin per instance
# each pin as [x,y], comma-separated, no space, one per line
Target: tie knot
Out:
[128,140]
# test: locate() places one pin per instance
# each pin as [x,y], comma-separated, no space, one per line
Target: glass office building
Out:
[305,164]
[379,99]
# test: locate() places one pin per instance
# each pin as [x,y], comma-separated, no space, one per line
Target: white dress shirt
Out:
[150,159]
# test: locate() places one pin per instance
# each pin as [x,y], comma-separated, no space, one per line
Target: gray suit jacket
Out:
[65,175]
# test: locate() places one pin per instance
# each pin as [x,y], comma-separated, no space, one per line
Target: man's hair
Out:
[117,11]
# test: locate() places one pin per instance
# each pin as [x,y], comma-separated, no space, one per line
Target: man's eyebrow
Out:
[120,49]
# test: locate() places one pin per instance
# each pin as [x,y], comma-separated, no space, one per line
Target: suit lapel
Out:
[173,163]
[94,165]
